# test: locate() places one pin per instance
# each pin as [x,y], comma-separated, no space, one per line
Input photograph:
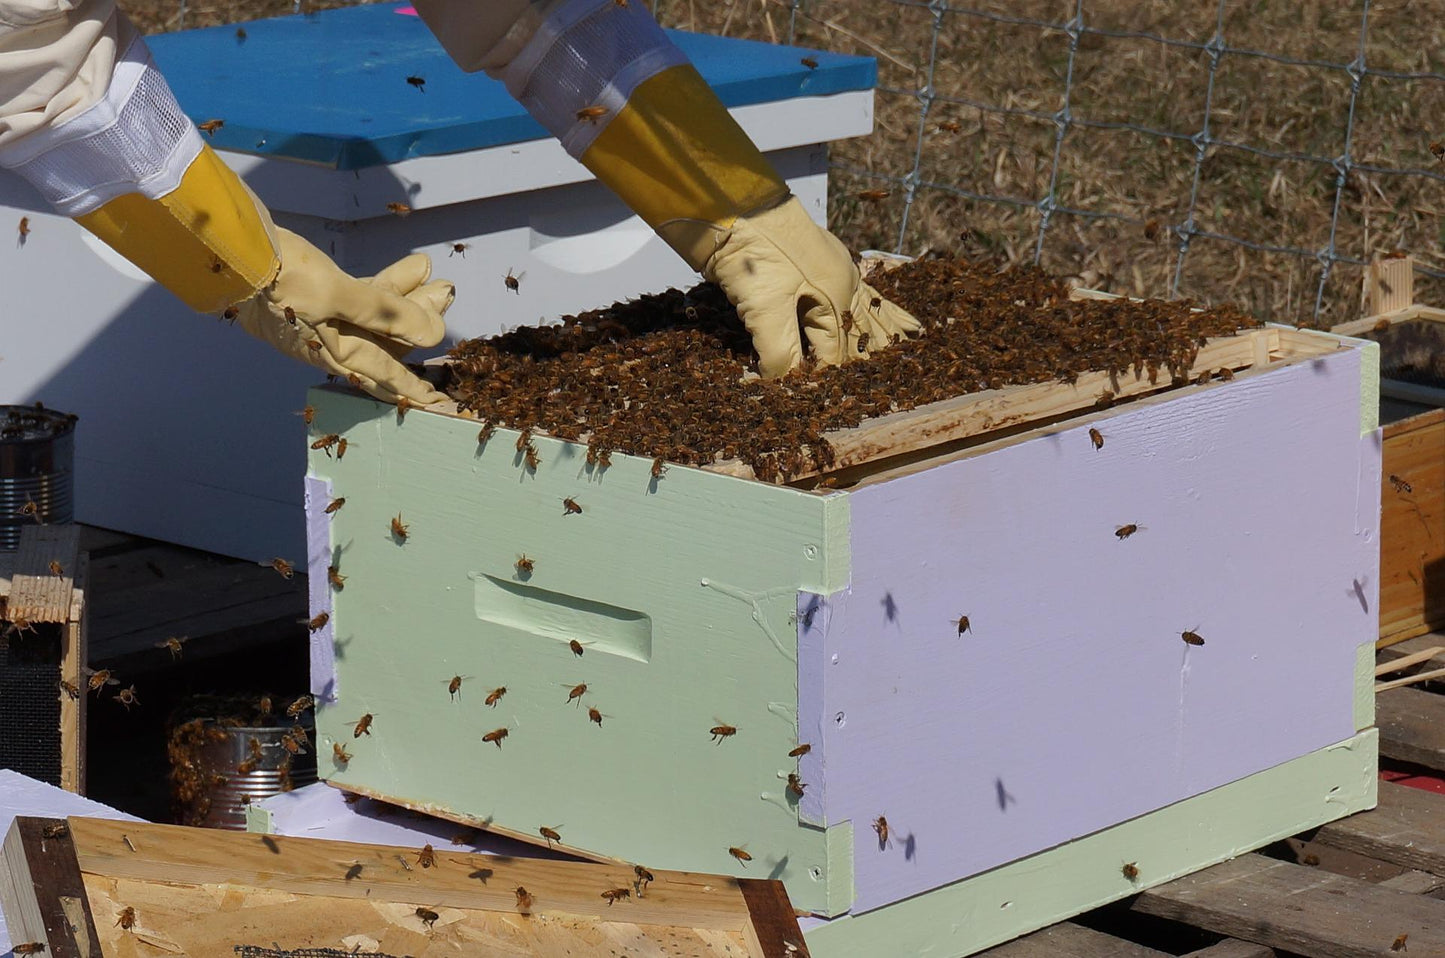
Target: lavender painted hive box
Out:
[1019,765]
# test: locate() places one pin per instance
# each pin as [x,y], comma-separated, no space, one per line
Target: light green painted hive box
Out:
[1019,765]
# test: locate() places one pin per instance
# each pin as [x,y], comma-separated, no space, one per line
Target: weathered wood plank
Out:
[1408,828]
[37,593]
[1412,726]
[43,892]
[1415,883]
[772,927]
[1299,909]
[1233,948]
[1069,940]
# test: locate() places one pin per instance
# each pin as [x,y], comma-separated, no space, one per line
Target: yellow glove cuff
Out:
[209,241]
[682,163]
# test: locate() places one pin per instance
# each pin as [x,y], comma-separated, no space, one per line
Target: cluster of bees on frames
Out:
[600,376]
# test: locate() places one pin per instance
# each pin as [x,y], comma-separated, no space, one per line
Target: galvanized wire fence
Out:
[911,176]
[1209,150]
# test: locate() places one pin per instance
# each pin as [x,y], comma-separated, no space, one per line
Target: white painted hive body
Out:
[1070,730]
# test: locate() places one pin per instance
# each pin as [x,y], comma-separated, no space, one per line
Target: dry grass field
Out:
[1140,183]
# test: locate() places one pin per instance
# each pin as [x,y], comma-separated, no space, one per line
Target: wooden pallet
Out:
[1349,889]
[34,593]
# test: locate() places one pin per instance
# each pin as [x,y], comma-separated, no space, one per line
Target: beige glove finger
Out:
[317,289]
[374,365]
[403,276]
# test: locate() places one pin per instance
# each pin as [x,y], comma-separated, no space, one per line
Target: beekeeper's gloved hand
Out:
[87,119]
[622,98]
[355,328]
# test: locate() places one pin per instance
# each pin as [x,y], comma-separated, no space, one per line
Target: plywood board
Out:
[44,573]
[1073,669]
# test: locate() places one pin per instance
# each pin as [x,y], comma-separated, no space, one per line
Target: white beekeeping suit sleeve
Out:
[88,120]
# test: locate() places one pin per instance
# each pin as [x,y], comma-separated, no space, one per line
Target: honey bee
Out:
[514,283]
[592,113]
[318,621]
[495,695]
[56,568]
[741,854]
[24,229]
[531,458]
[810,62]
[551,834]
[1097,438]
[1104,400]
[69,688]
[264,706]
[341,449]
[18,623]
[576,692]
[720,732]
[400,209]
[459,248]
[1383,324]
[604,458]
[326,442]
[240,34]
[801,750]
[1191,637]
[100,679]
[1226,374]
[399,528]
[949,126]
[335,505]
[58,830]
[418,82]
[524,900]
[524,439]
[1130,870]
[595,716]
[1151,230]
[659,468]
[127,697]
[174,643]
[339,752]
[644,877]
[524,565]
[862,343]
[427,916]
[880,826]
[230,313]
[29,509]
[963,625]
[302,704]
[485,433]
[289,743]
[290,315]
[1399,943]
[495,737]
[286,569]
[427,857]
[613,894]
[210,127]
[403,406]
[28,948]
[363,726]
[873,196]
[217,265]
[570,506]
[1400,484]
[576,648]
[1438,148]
[299,733]
[796,785]
[1124,532]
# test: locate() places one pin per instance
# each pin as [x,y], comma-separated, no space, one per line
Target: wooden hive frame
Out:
[34,593]
[66,882]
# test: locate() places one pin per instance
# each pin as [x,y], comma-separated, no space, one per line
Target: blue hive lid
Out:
[331,87]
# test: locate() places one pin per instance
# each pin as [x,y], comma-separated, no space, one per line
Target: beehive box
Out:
[1020,765]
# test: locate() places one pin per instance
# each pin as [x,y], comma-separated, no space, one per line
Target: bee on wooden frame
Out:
[427,916]
[427,857]
[524,899]
[550,834]
[614,894]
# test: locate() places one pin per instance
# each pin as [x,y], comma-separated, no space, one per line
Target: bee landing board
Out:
[831,618]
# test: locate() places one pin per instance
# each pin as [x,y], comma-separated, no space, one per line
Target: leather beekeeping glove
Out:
[358,329]
[88,120]
[622,98]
